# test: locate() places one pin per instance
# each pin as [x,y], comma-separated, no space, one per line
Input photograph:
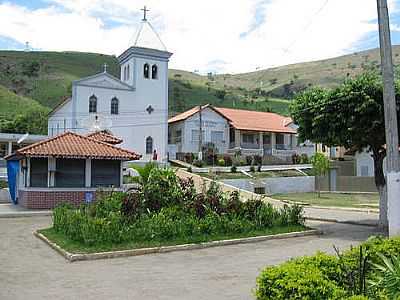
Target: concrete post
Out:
[237,138]
[273,140]
[261,143]
[121,179]
[28,172]
[9,150]
[393,192]
[88,172]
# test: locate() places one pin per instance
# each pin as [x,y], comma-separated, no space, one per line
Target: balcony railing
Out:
[249,146]
[283,147]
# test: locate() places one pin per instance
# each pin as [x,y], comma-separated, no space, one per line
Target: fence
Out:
[348,184]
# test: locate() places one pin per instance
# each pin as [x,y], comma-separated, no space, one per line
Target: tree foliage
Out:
[351,115]
[33,121]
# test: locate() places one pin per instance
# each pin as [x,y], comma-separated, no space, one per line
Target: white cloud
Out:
[202,34]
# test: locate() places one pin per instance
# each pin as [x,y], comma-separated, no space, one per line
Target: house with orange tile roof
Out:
[68,167]
[231,130]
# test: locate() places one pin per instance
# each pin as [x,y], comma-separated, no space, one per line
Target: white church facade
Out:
[133,107]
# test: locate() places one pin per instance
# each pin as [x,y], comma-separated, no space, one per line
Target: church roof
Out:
[147,37]
[105,136]
[73,145]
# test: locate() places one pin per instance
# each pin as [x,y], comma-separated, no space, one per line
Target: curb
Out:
[341,222]
[72,257]
[308,205]
[25,214]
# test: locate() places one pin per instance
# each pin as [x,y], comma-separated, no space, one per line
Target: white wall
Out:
[365,164]
[278,185]
[212,121]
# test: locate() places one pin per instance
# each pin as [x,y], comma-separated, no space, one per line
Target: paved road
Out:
[29,269]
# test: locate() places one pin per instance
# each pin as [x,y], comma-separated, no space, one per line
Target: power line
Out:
[305,28]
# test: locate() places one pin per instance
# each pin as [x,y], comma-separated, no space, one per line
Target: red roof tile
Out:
[245,119]
[72,145]
[106,137]
[256,120]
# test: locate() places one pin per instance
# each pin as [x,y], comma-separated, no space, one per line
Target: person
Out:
[155,154]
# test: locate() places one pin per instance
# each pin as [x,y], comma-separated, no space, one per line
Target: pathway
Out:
[30,269]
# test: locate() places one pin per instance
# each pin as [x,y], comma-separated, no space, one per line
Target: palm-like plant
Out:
[387,276]
[144,172]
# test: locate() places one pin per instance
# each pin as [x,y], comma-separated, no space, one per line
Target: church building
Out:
[133,107]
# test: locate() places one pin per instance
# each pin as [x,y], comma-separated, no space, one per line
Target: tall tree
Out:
[352,116]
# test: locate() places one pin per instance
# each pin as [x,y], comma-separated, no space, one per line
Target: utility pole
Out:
[391,130]
[200,134]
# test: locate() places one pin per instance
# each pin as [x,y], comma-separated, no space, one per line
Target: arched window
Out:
[146,70]
[127,72]
[93,104]
[154,70]
[114,106]
[149,145]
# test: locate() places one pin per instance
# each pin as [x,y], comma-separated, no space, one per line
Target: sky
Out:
[223,36]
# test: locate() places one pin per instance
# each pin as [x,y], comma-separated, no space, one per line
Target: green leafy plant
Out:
[144,172]
[387,275]
[221,162]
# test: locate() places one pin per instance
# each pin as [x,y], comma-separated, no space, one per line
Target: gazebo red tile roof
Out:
[104,136]
[73,145]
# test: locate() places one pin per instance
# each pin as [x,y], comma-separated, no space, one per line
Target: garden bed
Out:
[166,211]
[74,251]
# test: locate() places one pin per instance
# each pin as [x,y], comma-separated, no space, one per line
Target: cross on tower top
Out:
[145,10]
[105,68]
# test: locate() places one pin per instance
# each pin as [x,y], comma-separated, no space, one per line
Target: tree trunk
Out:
[380,182]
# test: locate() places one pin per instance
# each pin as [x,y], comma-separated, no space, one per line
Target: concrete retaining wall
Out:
[278,185]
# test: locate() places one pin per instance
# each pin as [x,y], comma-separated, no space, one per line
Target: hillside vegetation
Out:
[38,80]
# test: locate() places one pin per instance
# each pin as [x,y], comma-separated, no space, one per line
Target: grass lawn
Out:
[77,247]
[333,199]
[240,175]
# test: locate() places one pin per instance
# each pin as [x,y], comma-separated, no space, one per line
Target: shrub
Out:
[257,159]
[249,160]
[299,279]
[228,160]
[198,163]
[252,169]
[304,159]
[189,157]
[343,274]
[233,169]
[161,190]
[221,162]
[295,158]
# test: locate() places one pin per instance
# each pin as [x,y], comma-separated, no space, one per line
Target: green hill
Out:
[40,79]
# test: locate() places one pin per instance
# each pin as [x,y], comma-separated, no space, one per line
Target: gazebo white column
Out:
[9,150]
